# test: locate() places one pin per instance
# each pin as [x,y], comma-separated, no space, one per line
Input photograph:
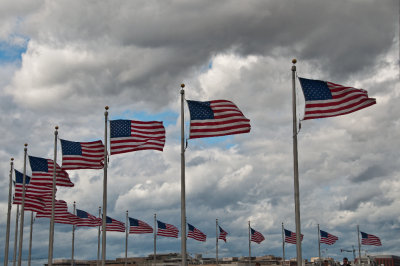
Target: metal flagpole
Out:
[53,202]
[8,214]
[283,245]
[249,246]
[319,246]
[73,238]
[30,241]
[155,237]
[16,237]
[103,242]
[296,169]
[216,240]
[359,245]
[126,238]
[98,240]
[21,228]
[183,193]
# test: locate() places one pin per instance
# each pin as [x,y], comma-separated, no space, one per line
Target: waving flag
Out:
[82,155]
[216,118]
[167,230]
[61,214]
[32,203]
[114,225]
[131,135]
[87,219]
[256,236]
[222,234]
[327,99]
[196,234]
[139,227]
[327,238]
[42,173]
[368,239]
[290,237]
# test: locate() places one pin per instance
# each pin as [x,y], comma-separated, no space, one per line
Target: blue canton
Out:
[108,220]
[324,234]
[71,147]
[38,164]
[161,225]
[315,89]
[120,128]
[19,178]
[200,110]
[81,214]
[133,222]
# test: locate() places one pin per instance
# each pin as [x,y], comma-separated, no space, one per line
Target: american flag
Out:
[42,173]
[368,239]
[167,230]
[216,118]
[32,203]
[222,234]
[61,214]
[327,238]
[327,99]
[139,227]
[114,225]
[131,135]
[256,236]
[196,234]
[87,219]
[82,155]
[290,237]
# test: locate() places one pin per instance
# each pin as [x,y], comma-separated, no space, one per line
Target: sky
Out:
[62,62]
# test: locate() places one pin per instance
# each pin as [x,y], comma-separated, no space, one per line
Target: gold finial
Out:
[182,85]
[12,159]
[56,127]
[294,61]
[106,107]
[26,144]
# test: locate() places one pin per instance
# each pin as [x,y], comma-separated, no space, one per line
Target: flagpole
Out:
[30,241]
[103,242]
[126,239]
[183,192]
[53,199]
[8,214]
[98,240]
[155,237]
[216,240]
[73,238]
[283,245]
[21,228]
[296,169]
[16,236]
[359,244]
[249,246]
[319,246]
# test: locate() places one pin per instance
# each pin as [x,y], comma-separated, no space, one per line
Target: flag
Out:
[131,135]
[61,214]
[222,234]
[290,237]
[196,234]
[114,225]
[139,227]
[327,99]
[82,155]
[327,238]
[167,230]
[87,219]
[216,118]
[42,173]
[256,236]
[32,203]
[368,239]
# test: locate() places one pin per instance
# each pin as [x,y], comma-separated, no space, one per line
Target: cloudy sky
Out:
[62,62]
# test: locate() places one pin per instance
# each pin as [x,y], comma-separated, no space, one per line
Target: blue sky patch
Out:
[11,53]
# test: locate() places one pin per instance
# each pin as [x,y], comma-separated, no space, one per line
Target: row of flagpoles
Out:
[207,119]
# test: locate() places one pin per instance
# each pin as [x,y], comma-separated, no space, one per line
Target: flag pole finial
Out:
[26,145]
[56,127]
[106,107]
[182,85]
[12,159]
[294,60]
